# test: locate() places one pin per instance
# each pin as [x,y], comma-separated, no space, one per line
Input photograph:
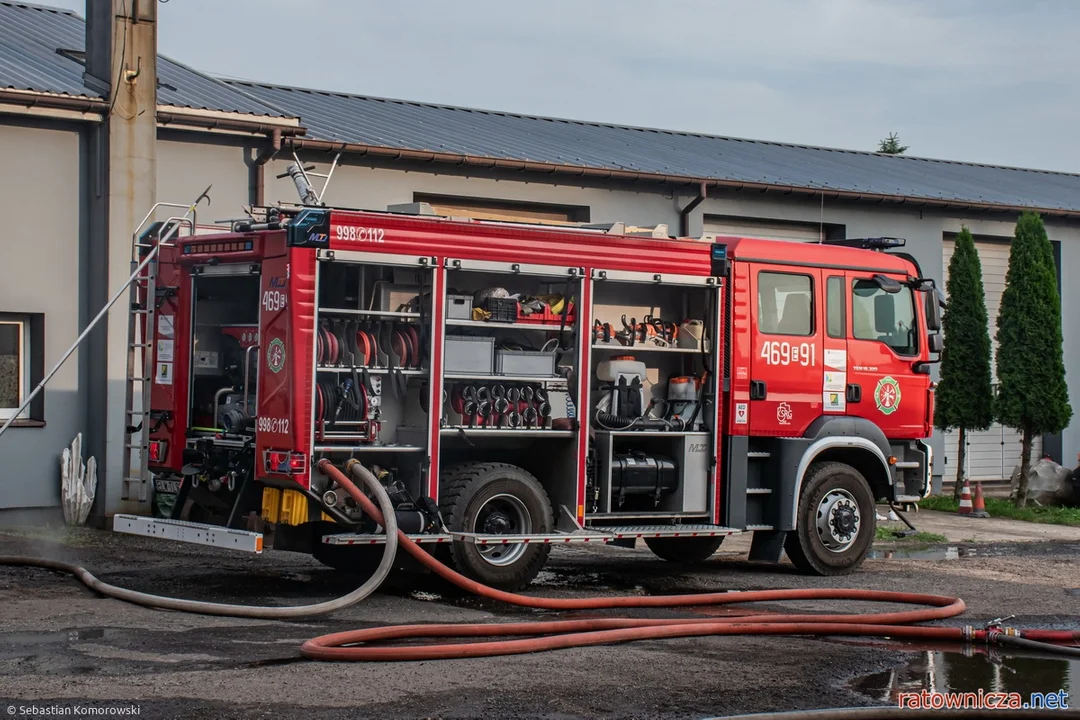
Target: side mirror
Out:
[936,343]
[884,314]
[887,284]
[933,311]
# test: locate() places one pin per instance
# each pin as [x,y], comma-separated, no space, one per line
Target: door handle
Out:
[854,393]
[758,390]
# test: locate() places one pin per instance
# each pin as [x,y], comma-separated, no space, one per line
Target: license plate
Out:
[167,486]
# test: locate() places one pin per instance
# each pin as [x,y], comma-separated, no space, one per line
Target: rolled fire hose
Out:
[246,611]
[602,631]
[572,633]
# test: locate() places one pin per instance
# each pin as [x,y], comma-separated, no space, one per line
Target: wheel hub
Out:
[502,514]
[838,520]
[497,524]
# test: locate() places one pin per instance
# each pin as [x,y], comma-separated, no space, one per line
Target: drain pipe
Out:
[684,214]
[260,160]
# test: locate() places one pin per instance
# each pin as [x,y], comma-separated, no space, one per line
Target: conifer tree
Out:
[1032,395]
[964,396]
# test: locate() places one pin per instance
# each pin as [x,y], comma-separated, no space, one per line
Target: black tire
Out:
[684,550]
[808,546]
[465,490]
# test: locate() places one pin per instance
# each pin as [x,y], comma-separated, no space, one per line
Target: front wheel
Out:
[836,521]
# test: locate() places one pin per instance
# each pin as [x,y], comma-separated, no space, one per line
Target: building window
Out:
[834,306]
[505,210]
[21,365]
[785,304]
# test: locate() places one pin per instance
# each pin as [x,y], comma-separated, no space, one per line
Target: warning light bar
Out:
[218,247]
[874,243]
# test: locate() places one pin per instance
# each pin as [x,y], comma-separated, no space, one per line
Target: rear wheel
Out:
[496,499]
[836,521]
[684,550]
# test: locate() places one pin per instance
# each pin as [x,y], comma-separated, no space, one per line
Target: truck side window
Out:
[884,317]
[785,304]
[834,306]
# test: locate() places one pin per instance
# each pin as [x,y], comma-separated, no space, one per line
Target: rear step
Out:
[189,532]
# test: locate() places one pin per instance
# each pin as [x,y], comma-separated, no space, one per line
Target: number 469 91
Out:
[784,353]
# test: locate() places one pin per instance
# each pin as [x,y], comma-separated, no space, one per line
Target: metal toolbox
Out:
[529,363]
[459,307]
[468,355]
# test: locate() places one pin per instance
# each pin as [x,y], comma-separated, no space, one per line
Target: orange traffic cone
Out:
[965,499]
[979,510]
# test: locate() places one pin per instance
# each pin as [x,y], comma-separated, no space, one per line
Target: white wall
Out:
[40,274]
[185,168]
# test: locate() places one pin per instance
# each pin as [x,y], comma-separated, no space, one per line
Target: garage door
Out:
[760,228]
[991,454]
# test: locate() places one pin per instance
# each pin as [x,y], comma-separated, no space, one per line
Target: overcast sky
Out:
[978,80]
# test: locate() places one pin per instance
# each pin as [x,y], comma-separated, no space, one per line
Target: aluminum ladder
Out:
[146,297]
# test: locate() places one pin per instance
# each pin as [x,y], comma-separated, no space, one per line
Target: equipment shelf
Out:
[367,448]
[644,347]
[505,432]
[369,370]
[508,378]
[369,313]
[508,325]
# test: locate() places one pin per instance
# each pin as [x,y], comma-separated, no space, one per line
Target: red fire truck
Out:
[518,386]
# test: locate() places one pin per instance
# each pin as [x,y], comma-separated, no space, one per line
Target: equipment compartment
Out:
[652,403]
[514,400]
[371,387]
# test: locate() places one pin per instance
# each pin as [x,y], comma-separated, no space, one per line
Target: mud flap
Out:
[767,546]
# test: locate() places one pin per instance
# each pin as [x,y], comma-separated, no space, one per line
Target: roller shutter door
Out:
[757,228]
[991,454]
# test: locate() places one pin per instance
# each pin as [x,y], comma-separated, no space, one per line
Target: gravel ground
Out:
[61,644]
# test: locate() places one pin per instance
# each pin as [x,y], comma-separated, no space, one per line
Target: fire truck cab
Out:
[518,386]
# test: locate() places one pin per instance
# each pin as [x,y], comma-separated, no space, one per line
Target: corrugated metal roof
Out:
[32,35]
[482,133]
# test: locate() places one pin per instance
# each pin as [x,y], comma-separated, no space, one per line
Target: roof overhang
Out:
[58,106]
[175,116]
[656,179]
[52,105]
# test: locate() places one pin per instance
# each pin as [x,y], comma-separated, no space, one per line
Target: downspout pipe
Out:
[260,160]
[684,214]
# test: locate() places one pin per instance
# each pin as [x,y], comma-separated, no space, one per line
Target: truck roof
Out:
[582,244]
[788,252]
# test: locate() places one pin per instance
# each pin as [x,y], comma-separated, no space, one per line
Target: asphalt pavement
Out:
[63,646]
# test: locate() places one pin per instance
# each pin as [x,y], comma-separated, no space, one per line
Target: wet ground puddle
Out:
[986,669]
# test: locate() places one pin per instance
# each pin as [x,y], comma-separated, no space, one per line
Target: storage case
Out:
[459,307]
[525,362]
[468,355]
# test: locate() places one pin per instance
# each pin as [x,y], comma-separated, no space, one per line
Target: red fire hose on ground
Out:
[369,645]
[359,645]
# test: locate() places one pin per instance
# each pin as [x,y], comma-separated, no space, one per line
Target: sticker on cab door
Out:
[887,395]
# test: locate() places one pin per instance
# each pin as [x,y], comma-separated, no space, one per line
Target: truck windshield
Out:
[885,317]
